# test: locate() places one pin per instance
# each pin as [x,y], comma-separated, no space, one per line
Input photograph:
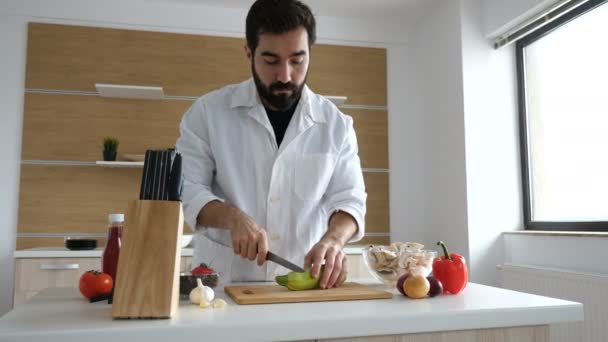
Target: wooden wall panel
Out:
[356,72]
[77,57]
[371,127]
[33,242]
[377,217]
[72,127]
[58,199]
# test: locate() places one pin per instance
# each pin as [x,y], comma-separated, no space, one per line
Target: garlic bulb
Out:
[201,292]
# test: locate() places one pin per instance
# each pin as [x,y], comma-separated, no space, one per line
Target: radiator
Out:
[587,288]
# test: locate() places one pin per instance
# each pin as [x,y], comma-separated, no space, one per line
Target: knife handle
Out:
[144,176]
[175,179]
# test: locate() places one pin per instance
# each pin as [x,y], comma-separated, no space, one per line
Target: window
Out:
[563,98]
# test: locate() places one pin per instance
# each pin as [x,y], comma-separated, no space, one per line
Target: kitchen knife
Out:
[144,176]
[283,262]
[150,167]
[166,175]
[156,175]
[175,179]
[163,175]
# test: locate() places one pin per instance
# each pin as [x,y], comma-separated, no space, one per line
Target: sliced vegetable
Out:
[298,281]
[281,280]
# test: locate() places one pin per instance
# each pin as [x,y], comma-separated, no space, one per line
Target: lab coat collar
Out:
[246,95]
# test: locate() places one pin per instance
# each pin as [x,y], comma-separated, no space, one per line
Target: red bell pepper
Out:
[451,270]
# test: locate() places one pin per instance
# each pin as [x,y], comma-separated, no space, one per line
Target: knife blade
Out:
[283,262]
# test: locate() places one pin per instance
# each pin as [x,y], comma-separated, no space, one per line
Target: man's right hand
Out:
[250,241]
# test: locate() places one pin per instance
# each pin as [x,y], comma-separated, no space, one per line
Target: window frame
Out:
[529,224]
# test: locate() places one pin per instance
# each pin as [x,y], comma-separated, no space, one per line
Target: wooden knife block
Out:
[147,278]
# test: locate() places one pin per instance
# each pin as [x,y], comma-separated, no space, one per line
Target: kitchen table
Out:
[479,313]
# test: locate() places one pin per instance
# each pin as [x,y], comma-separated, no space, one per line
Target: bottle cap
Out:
[116,217]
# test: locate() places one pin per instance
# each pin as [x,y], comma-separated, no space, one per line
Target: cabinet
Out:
[35,274]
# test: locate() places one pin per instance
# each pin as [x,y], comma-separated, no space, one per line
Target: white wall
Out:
[492,154]
[406,152]
[153,15]
[578,253]
[12,69]
[459,133]
[500,15]
[430,136]
[165,15]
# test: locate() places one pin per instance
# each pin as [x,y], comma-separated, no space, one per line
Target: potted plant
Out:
[110,146]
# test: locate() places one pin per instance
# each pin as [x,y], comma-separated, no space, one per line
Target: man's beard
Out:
[281,101]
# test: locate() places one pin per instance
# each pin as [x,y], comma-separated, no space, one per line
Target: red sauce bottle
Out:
[113,243]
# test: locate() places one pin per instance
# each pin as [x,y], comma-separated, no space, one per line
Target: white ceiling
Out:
[406,10]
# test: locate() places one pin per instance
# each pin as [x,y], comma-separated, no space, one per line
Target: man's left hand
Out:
[334,271]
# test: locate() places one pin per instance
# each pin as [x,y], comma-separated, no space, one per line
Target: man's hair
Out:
[278,16]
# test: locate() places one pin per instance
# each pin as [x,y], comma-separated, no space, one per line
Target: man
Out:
[268,164]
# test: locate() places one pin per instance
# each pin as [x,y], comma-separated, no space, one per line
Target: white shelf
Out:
[337,100]
[119,163]
[129,91]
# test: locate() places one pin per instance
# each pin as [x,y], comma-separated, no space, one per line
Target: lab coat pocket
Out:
[312,175]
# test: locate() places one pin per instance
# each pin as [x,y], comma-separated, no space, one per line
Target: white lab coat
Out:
[230,154]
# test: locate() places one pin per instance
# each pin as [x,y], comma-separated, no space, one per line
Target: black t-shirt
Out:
[280,121]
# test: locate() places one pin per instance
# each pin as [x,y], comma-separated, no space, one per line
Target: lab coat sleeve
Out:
[346,189]
[198,163]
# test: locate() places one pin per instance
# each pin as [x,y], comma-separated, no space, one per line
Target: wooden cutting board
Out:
[270,294]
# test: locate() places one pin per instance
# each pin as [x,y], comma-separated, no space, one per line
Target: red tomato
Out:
[87,285]
[104,283]
[94,283]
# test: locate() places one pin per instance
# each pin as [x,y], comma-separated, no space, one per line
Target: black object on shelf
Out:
[80,244]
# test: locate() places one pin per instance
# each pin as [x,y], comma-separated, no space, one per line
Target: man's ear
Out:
[248,52]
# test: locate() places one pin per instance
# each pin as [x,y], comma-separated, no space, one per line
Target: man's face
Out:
[279,66]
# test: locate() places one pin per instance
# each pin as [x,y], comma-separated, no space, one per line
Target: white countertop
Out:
[62,315]
[62,252]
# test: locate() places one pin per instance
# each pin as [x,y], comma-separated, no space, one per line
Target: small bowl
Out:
[80,244]
[187,281]
[389,269]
